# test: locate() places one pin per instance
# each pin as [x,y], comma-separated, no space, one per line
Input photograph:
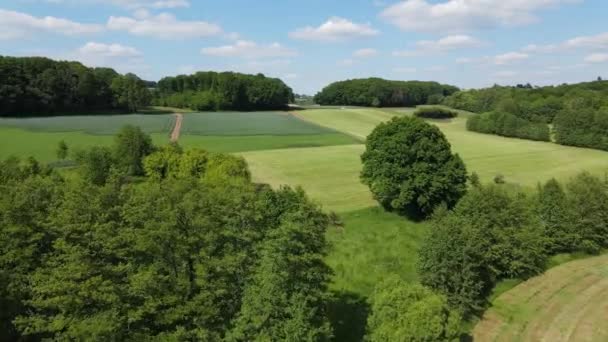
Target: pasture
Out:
[319,150]
[566,303]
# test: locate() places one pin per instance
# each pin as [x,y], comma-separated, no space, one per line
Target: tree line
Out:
[480,234]
[578,113]
[157,243]
[223,91]
[41,86]
[377,92]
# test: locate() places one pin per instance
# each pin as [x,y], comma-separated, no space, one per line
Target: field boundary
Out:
[179,118]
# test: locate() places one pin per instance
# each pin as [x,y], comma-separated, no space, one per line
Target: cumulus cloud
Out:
[164,26]
[249,49]
[365,53]
[108,50]
[129,4]
[597,58]
[452,42]
[334,29]
[459,15]
[14,25]
[510,57]
[593,42]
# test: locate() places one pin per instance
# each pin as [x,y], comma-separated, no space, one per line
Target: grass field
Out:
[522,162]
[567,303]
[93,124]
[43,145]
[229,144]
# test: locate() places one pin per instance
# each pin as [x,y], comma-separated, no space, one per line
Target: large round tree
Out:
[409,166]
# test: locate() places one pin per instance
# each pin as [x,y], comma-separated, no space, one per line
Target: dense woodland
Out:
[156,243]
[578,113]
[223,91]
[376,92]
[41,86]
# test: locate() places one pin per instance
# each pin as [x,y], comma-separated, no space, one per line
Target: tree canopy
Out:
[377,92]
[41,86]
[192,251]
[409,167]
[410,312]
[578,112]
[223,91]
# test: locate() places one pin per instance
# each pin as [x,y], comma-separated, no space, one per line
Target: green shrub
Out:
[435,113]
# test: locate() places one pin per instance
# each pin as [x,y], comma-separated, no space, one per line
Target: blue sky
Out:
[468,43]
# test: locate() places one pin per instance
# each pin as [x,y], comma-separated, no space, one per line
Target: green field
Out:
[566,303]
[248,123]
[43,145]
[93,124]
[319,149]
[522,162]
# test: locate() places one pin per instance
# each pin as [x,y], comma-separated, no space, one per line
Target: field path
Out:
[179,118]
[568,303]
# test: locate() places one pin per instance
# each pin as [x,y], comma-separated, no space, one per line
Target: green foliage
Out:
[508,125]
[578,111]
[95,164]
[173,258]
[490,235]
[62,150]
[376,92]
[130,92]
[406,312]
[286,299]
[35,85]
[223,91]
[435,113]
[410,168]
[583,128]
[587,203]
[131,145]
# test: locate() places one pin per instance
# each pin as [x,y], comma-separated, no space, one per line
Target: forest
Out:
[578,113]
[41,86]
[223,91]
[145,243]
[377,92]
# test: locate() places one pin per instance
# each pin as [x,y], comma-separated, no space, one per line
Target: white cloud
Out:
[290,76]
[597,58]
[130,4]
[459,15]
[594,42]
[435,68]
[108,50]
[14,25]
[249,49]
[464,60]
[334,29]
[510,57]
[164,26]
[444,44]
[365,53]
[404,70]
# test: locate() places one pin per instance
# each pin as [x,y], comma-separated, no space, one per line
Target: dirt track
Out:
[178,127]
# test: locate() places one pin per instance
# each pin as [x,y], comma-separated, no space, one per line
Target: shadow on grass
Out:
[348,315]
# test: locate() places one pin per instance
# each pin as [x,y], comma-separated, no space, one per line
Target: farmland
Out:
[567,303]
[319,150]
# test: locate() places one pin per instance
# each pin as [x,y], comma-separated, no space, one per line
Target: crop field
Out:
[566,303]
[249,123]
[92,124]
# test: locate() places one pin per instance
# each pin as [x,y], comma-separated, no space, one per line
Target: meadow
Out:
[319,150]
[566,303]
